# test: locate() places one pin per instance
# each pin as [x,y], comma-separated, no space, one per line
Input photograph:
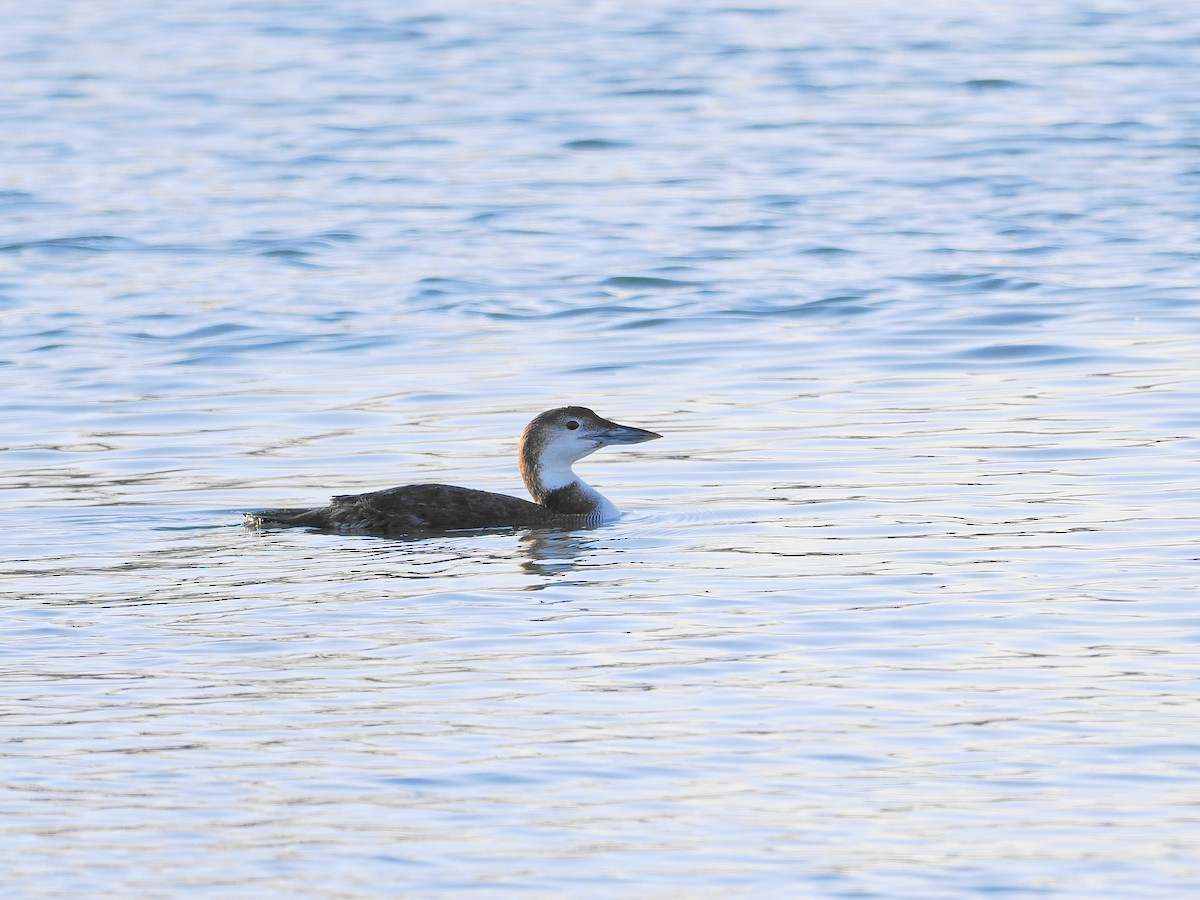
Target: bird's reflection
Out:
[553,553]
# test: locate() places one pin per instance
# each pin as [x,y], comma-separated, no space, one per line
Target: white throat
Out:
[548,477]
[554,474]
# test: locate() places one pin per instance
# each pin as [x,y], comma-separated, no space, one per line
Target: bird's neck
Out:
[560,490]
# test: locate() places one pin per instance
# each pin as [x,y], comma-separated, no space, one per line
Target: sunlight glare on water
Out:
[902,605]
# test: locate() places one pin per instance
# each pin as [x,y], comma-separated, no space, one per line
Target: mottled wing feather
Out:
[436,507]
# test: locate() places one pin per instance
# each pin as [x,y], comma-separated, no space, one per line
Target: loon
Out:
[550,445]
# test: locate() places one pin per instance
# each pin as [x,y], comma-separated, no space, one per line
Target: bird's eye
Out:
[572,424]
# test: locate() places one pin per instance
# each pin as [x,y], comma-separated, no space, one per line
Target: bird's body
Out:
[550,445]
[417,508]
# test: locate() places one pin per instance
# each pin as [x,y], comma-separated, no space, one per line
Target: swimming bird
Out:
[550,445]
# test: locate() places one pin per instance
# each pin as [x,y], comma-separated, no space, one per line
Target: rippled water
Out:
[904,604]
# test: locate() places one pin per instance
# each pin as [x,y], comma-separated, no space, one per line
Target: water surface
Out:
[902,605]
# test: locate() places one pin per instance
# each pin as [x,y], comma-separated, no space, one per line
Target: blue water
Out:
[903,605]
